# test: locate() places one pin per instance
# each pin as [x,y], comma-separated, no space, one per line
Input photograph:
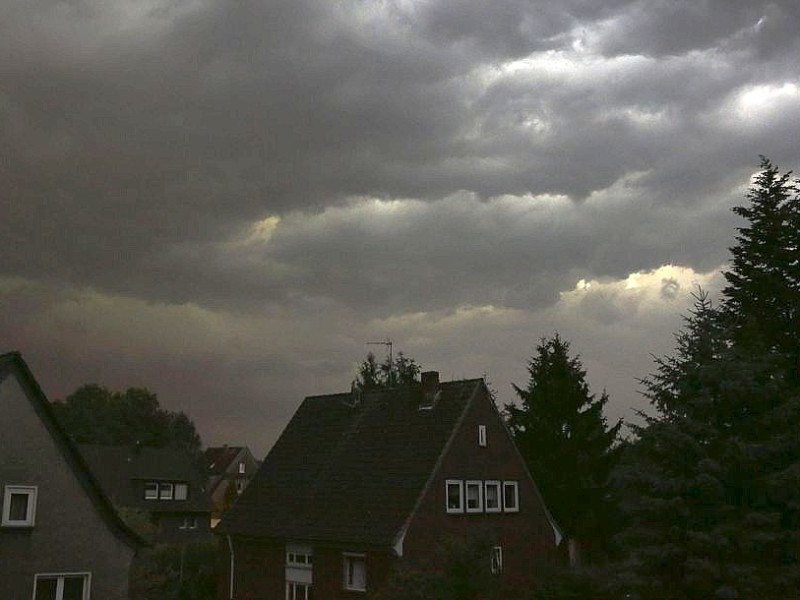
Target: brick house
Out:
[60,538]
[360,483]
[229,469]
[163,483]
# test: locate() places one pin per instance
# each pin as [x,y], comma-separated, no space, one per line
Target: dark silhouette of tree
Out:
[400,371]
[565,440]
[711,489]
[93,414]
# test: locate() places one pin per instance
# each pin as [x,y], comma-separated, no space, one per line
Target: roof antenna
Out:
[388,343]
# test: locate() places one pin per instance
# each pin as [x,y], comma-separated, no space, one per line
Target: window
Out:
[474,493]
[497,560]
[151,491]
[241,467]
[455,495]
[298,591]
[61,586]
[482,435]
[19,506]
[181,491]
[165,491]
[299,558]
[510,496]
[355,572]
[189,523]
[492,496]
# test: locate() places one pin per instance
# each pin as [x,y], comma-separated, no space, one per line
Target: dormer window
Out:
[19,506]
[165,491]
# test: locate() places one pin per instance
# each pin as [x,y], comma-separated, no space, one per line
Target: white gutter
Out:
[230,548]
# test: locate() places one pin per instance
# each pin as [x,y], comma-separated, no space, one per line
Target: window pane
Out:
[492,497]
[45,589]
[473,496]
[510,495]
[73,588]
[453,496]
[356,573]
[181,491]
[18,507]
[165,491]
[151,491]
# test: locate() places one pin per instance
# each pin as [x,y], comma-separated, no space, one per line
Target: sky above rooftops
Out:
[223,201]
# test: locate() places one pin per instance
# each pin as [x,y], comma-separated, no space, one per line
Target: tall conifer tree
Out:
[565,439]
[711,490]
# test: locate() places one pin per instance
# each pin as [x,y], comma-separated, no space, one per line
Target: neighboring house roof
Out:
[119,468]
[349,473]
[13,362]
[217,460]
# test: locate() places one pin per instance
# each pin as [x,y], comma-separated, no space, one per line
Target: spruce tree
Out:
[711,489]
[565,440]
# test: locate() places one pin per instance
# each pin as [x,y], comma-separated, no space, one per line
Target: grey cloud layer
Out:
[416,155]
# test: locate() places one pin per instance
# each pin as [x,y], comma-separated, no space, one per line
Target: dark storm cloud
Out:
[188,184]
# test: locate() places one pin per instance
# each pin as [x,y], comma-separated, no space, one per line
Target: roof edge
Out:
[400,535]
[12,362]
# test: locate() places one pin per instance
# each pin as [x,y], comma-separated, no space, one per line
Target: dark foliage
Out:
[400,371]
[711,489]
[566,441]
[95,415]
[176,572]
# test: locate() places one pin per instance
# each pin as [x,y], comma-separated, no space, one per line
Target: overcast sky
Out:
[223,200]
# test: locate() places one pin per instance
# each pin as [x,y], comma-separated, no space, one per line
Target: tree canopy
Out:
[565,439]
[392,372]
[711,489]
[93,414]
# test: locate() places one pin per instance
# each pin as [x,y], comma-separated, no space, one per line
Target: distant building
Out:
[60,537]
[162,483]
[360,483]
[229,469]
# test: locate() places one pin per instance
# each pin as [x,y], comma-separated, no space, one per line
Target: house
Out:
[360,483]
[160,483]
[60,538]
[229,470]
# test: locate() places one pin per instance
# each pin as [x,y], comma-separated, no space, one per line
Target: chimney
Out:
[430,389]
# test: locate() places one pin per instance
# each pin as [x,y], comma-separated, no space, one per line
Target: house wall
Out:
[218,484]
[527,536]
[69,534]
[260,570]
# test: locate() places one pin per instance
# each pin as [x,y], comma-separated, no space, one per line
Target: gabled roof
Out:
[348,473]
[216,460]
[121,470]
[12,362]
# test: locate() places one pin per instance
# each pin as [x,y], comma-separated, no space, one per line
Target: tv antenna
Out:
[388,343]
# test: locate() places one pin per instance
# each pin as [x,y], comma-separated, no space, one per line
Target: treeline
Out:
[702,501]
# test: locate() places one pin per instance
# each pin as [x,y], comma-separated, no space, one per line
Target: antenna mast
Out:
[388,343]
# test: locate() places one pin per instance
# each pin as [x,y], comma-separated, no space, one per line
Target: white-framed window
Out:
[474,494]
[241,467]
[165,491]
[19,506]
[491,496]
[355,572]
[497,560]
[151,490]
[299,556]
[482,436]
[181,491]
[189,523]
[61,586]
[298,591]
[510,496]
[454,492]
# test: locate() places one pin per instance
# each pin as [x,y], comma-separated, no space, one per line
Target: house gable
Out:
[75,529]
[482,460]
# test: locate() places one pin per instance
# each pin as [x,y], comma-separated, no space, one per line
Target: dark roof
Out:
[122,470]
[13,362]
[217,460]
[349,473]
